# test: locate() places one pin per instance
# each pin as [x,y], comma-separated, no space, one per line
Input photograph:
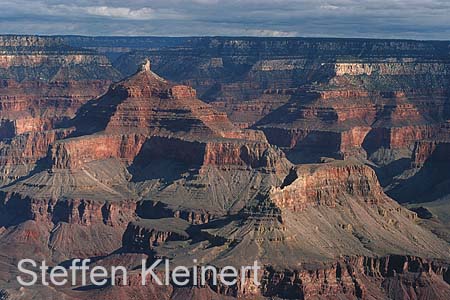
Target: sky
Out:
[411,19]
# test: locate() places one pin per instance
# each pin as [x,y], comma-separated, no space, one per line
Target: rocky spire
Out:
[146,66]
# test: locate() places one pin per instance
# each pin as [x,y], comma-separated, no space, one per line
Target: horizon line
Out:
[225,36]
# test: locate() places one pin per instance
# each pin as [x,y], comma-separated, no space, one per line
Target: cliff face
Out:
[74,153]
[317,185]
[217,153]
[144,235]
[43,83]
[48,101]
[74,211]
[42,77]
[44,58]
[358,120]
[22,153]
[395,277]
[391,277]
[430,150]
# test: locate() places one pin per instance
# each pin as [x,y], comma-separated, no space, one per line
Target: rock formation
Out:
[145,169]
[43,83]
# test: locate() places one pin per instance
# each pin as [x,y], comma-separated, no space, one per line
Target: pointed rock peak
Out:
[145,77]
[146,66]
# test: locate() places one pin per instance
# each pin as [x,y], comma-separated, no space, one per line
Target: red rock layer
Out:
[31,146]
[142,236]
[245,114]
[151,210]
[425,150]
[348,122]
[146,103]
[393,277]
[220,153]
[75,152]
[325,184]
[72,211]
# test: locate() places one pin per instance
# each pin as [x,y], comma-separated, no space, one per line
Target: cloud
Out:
[207,2]
[270,33]
[121,12]
[61,10]
[421,19]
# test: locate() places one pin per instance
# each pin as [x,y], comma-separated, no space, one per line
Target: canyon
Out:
[326,160]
